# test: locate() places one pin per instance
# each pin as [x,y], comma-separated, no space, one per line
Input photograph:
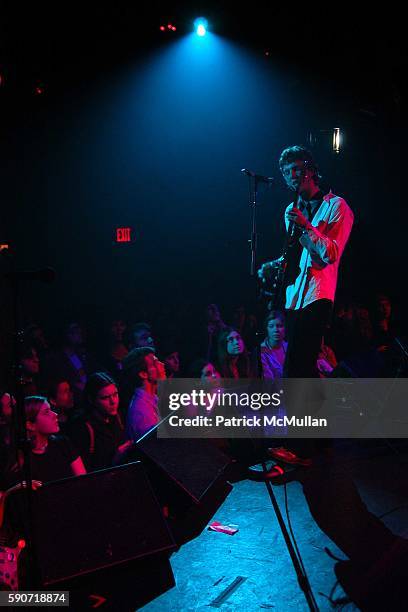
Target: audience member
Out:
[35,336]
[351,331]
[141,336]
[142,371]
[205,371]
[209,377]
[71,362]
[171,358]
[233,359]
[273,348]
[383,334]
[215,325]
[117,349]
[52,457]
[99,433]
[61,398]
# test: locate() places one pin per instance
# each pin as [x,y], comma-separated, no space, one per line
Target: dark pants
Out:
[305,329]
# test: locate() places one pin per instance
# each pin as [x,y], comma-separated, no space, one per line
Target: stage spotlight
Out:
[200,26]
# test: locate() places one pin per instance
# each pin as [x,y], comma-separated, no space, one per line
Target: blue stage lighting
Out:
[200,25]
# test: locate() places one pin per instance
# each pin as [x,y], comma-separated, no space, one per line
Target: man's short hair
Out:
[134,363]
[299,152]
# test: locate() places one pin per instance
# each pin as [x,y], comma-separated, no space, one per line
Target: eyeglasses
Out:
[288,171]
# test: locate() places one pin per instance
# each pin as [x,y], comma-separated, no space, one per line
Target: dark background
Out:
[149,129]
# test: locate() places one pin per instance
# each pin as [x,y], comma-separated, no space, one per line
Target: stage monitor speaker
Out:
[120,588]
[104,518]
[194,465]
[188,476]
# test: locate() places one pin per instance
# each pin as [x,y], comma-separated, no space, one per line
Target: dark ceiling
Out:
[359,52]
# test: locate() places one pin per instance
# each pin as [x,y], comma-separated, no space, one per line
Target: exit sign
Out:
[124,234]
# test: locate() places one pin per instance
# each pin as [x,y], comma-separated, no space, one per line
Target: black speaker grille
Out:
[97,520]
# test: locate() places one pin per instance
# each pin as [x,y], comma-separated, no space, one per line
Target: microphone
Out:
[292,227]
[258,177]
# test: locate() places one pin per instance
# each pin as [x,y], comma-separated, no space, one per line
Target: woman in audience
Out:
[209,376]
[273,348]
[99,433]
[205,371]
[52,456]
[233,359]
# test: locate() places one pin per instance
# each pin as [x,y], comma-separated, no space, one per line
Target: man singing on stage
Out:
[319,226]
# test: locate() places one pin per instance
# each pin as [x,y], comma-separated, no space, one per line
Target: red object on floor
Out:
[216,526]
[286,456]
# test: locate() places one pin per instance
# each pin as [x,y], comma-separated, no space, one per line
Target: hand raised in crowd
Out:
[125,447]
[121,451]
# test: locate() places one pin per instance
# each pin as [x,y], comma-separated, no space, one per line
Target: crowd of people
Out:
[84,409]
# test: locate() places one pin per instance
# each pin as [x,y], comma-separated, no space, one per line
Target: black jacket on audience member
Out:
[97,439]
[53,464]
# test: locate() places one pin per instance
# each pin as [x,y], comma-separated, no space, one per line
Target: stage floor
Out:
[352,505]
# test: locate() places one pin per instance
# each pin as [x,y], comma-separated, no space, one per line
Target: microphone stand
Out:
[298,567]
[253,203]
[22,441]
[253,241]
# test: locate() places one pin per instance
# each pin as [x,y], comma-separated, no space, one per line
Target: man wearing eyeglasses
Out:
[318,227]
